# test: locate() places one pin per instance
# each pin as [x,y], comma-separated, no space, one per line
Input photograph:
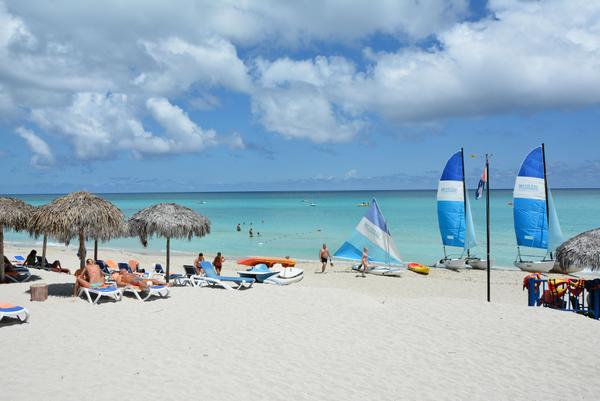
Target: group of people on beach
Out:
[91,276]
[217,263]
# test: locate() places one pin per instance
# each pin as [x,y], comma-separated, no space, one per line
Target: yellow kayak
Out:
[418,268]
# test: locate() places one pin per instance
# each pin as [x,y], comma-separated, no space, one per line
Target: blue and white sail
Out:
[454,211]
[371,232]
[536,220]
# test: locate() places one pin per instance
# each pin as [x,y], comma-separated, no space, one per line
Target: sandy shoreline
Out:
[332,336]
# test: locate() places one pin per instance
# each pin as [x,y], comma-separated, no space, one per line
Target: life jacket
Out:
[536,276]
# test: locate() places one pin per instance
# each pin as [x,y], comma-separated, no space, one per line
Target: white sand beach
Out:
[333,336]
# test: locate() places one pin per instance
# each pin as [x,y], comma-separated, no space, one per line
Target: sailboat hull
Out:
[538,266]
[480,264]
[382,270]
[459,263]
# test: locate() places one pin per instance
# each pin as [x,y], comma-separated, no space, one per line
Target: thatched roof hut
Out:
[581,251]
[168,220]
[14,215]
[79,215]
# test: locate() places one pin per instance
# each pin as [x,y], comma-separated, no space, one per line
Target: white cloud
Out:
[352,173]
[41,153]
[184,134]
[213,63]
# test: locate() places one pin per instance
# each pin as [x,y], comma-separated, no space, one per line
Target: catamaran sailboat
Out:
[536,221]
[454,214]
[372,232]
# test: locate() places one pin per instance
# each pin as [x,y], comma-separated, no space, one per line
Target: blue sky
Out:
[260,95]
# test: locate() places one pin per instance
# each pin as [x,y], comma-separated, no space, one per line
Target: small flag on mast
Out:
[481,186]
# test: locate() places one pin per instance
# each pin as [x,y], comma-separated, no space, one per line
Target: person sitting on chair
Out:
[89,276]
[31,259]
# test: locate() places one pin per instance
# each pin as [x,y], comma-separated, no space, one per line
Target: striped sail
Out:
[371,232]
[454,211]
[534,226]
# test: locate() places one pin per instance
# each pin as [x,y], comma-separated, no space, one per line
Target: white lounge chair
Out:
[177,278]
[212,278]
[161,291]
[110,291]
[19,312]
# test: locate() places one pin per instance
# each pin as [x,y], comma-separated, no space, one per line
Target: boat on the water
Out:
[267,260]
[535,217]
[454,215]
[372,232]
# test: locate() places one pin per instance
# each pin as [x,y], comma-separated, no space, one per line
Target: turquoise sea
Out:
[288,225]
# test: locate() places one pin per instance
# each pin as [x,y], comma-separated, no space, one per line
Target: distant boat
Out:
[313,204]
[372,232]
[454,214]
[363,204]
[535,218]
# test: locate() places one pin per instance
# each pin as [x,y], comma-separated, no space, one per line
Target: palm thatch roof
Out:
[168,220]
[14,213]
[78,214]
[582,251]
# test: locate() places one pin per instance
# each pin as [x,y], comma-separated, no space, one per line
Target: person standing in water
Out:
[324,255]
[364,261]
[238,228]
[250,233]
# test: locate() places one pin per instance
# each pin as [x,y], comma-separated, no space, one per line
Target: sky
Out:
[152,96]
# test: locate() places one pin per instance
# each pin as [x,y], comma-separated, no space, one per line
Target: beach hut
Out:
[79,215]
[581,251]
[168,220]
[14,215]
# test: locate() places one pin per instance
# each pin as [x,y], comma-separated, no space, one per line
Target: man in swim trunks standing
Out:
[325,255]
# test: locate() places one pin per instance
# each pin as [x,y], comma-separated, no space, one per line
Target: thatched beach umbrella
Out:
[168,220]
[14,214]
[79,215]
[581,251]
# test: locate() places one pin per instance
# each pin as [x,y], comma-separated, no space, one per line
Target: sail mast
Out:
[462,158]
[546,189]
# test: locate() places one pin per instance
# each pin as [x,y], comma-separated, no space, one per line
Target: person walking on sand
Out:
[364,261]
[198,264]
[218,263]
[324,255]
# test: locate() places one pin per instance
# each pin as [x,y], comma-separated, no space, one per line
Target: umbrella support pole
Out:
[82,251]
[168,257]
[95,250]
[1,253]
[44,245]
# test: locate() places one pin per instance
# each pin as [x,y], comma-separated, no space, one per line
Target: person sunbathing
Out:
[56,267]
[124,278]
[89,276]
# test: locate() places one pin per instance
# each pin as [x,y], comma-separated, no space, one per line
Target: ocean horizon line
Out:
[277,191]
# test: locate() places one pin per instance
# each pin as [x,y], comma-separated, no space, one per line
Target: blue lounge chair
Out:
[19,260]
[212,278]
[19,312]
[20,274]
[109,291]
[161,291]
[178,278]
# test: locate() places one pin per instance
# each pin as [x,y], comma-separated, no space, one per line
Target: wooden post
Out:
[168,257]
[45,244]
[81,251]
[1,253]
[95,249]
[39,292]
